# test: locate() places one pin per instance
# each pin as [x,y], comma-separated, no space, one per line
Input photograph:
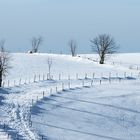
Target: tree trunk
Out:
[102,60]
[0,79]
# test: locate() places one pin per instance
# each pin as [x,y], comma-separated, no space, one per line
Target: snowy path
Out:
[19,100]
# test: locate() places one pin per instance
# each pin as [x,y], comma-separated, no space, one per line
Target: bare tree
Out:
[2,43]
[4,61]
[73,46]
[49,62]
[36,42]
[104,45]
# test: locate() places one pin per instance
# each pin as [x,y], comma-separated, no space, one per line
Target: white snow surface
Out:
[91,101]
[3,135]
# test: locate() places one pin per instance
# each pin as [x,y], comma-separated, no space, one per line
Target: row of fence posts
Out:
[20,82]
[63,88]
[35,80]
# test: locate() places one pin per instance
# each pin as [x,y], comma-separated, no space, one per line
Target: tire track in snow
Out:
[101,104]
[82,132]
[114,119]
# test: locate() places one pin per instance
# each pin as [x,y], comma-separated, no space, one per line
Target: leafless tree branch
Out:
[103,45]
[36,43]
[49,62]
[73,46]
[4,61]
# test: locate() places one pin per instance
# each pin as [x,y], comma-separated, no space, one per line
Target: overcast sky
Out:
[60,20]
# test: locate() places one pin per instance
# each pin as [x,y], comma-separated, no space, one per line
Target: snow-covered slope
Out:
[25,66]
[24,115]
[102,112]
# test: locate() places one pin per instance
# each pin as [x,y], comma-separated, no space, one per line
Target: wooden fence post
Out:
[35,78]
[93,75]
[91,82]
[59,76]
[83,83]
[124,74]
[39,77]
[32,102]
[110,80]
[100,82]
[8,135]
[76,76]
[51,91]
[43,94]
[85,75]
[69,85]
[48,76]
[109,75]
[4,126]
[62,86]
[20,81]
[3,84]
[43,77]
[56,89]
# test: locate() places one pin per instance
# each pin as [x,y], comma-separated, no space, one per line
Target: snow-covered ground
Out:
[101,112]
[3,135]
[90,101]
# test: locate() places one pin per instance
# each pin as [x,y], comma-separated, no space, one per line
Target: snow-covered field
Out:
[84,100]
[101,112]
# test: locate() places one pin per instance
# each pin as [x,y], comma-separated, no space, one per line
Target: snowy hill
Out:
[84,100]
[25,66]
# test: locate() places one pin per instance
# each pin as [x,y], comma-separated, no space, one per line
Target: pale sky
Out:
[61,20]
